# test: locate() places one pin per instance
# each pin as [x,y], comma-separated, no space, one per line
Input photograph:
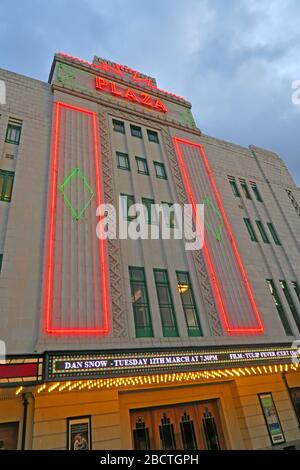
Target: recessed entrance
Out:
[190,426]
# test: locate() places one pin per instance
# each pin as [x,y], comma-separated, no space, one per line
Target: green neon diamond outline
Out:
[76,172]
[216,234]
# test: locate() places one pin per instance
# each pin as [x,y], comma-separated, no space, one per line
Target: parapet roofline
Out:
[118,71]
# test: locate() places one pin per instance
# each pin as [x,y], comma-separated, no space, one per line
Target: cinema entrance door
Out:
[190,426]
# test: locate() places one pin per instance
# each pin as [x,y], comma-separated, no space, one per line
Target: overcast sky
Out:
[235,60]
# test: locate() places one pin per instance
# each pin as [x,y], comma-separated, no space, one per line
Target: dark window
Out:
[123,161]
[234,187]
[160,170]
[118,126]
[262,231]
[274,234]
[251,230]
[291,303]
[246,190]
[6,185]
[169,214]
[142,165]
[1,260]
[150,212]
[165,302]
[13,133]
[136,131]
[188,303]
[152,136]
[297,289]
[279,306]
[256,192]
[127,201]
[140,302]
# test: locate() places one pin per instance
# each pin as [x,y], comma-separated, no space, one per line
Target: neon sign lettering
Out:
[130,95]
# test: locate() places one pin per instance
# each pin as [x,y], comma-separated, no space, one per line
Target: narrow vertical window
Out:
[165,302]
[123,161]
[262,231]
[296,289]
[1,260]
[152,136]
[160,170]
[6,185]
[127,201]
[188,303]
[251,230]
[118,126]
[234,187]
[136,131]
[291,302]
[245,189]
[274,234]
[150,213]
[13,132]
[142,165]
[256,192]
[140,302]
[279,306]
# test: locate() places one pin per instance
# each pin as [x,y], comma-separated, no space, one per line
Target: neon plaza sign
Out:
[128,94]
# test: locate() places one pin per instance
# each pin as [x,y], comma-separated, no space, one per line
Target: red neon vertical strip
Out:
[50,247]
[209,263]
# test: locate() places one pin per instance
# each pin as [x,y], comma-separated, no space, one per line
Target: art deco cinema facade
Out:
[141,344]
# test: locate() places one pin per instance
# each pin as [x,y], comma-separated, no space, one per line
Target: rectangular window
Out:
[6,185]
[262,231]
[142,165]
[165,302]
[234,187]
[123,161]
[1,260]
[152,136]
[118,126]
[297,289]
[291,303]
[256,192]
[160,170]
[127,201]
[13,132]
[188,303]
[245,189]
[140,302]
[251,230]
[274,234]
[150,212]
[279,306]
[169,214]
[136,131]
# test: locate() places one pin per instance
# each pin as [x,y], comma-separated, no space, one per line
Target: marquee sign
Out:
[116,364]
[128,94]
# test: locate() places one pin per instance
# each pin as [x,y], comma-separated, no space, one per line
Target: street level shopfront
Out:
[213,399]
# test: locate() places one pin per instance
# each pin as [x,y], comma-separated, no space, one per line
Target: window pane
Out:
[250,230]
[13,134]
[136,131]
[152,136]
[160,170]
[234,188]
[189,304]
[1,186]
[291,303]
[8,187]
[139,294]
[191,318]
[137,274]
[246,190]
[297,289]
[118,126]
[262,231]
[274,234]
[167,317]
[140,302]
[279,306]
[257,193]
[142,165]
